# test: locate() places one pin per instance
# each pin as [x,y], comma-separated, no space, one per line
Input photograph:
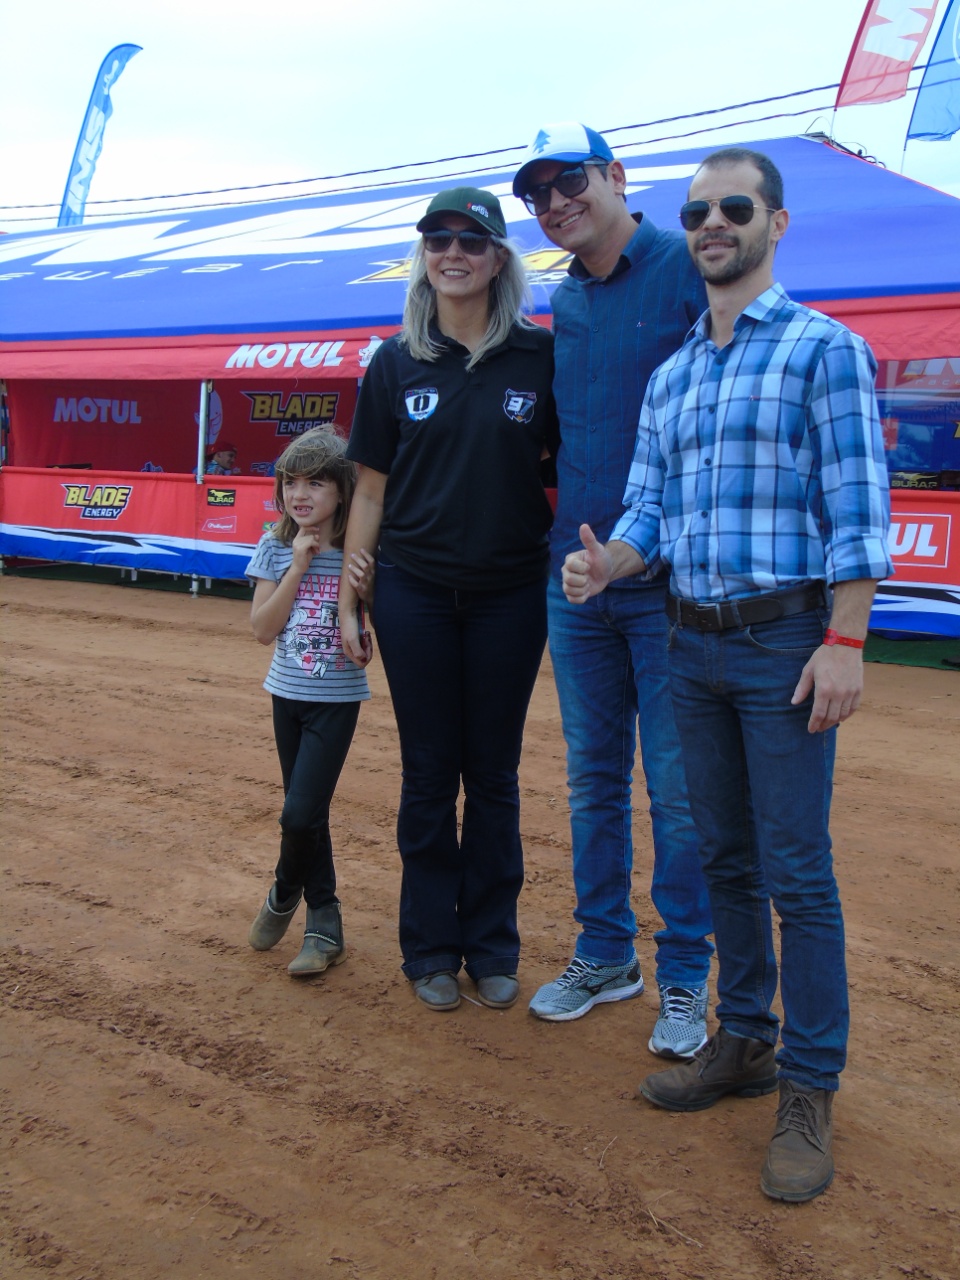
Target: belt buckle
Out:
[713,616]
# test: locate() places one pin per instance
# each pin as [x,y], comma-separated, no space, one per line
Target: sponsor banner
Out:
[132,520]
[283,358]
[108,424]
[923,596]
[925,536]
[171,523]
[153,426]
[920,540]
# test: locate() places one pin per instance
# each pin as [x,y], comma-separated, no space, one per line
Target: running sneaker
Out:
[681,1028]
[584,984]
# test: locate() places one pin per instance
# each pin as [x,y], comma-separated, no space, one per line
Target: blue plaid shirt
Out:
[761,464]
[610,336]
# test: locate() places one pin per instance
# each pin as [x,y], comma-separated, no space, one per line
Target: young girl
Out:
[316,690]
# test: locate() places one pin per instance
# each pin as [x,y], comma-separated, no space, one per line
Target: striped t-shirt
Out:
[309,664]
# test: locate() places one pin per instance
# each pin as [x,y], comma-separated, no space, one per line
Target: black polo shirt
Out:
[464,504]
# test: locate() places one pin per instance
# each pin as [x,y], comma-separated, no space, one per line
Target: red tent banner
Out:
[153,425]
[133,520]
[925,537]
[287,357]
[923,596]
[887,44]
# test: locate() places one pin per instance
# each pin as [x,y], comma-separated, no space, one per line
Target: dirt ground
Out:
[174,1105]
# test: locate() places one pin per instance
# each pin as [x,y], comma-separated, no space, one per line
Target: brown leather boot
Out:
[799,1162]
[726,1064]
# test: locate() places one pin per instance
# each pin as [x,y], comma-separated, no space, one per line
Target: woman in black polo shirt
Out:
[454,416]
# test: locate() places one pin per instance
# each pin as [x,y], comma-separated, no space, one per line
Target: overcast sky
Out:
[236,92]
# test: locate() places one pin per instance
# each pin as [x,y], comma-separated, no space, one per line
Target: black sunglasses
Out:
[473,243]
[736,209]
[571,181]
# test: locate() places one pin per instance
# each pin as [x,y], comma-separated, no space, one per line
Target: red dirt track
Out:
[174,1105]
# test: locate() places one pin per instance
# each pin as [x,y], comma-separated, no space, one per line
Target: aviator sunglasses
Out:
[473,243]
[736,209]
[572,181]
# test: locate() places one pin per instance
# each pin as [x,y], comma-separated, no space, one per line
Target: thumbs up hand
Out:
[586,572]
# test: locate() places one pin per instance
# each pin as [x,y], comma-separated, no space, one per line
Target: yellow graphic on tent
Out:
[99,501]
[396,269]
[544,266]
[547,261]
[295,413]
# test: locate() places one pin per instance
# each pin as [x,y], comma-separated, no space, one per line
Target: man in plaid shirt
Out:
[759,478]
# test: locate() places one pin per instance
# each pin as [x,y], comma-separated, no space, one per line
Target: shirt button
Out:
[704,514]
[593,377]
[701,566]
[712,409]
[706,462]
[596,328]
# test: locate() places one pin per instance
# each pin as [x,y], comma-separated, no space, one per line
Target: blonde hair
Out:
[509,297]
[319,454]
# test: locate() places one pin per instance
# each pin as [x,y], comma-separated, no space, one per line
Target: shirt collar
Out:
[637,247]
[766,306]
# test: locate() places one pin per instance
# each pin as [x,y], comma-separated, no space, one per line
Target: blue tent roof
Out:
[334,261]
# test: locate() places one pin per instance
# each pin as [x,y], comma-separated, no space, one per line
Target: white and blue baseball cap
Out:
[567,141]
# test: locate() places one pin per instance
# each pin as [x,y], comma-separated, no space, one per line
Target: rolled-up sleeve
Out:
[855,515]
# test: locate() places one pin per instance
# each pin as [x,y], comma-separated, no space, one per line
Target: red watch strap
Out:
[830,637]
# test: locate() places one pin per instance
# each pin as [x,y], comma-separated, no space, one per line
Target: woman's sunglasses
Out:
[572,181]
[736,209]
[473,243]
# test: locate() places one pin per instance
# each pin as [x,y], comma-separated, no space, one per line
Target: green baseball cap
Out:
[481,207]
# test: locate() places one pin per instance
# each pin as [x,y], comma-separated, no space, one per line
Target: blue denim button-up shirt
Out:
[761,463]
[610,336]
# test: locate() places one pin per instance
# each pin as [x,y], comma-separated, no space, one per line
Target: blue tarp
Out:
[326,262]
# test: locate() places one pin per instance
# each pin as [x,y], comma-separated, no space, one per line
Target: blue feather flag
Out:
[90,142]
[936,112]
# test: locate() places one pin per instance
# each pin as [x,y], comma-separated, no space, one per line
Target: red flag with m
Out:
[888,43]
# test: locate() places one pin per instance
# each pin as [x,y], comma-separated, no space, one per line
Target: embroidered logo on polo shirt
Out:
[519,405]
[421,402]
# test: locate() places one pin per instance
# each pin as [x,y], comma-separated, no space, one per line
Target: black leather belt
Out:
[744,612]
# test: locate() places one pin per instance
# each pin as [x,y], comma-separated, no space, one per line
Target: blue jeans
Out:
[461,668]
[760,796]
[610,664]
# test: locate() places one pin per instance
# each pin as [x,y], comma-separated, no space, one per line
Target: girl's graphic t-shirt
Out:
[309,664]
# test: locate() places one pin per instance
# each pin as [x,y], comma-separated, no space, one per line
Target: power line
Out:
[443,160]
[463,173]
[419,164]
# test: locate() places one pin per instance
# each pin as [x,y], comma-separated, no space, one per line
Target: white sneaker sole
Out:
[668,1052]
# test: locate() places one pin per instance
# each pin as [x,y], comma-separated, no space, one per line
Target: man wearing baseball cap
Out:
[630,297]
[222,460]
